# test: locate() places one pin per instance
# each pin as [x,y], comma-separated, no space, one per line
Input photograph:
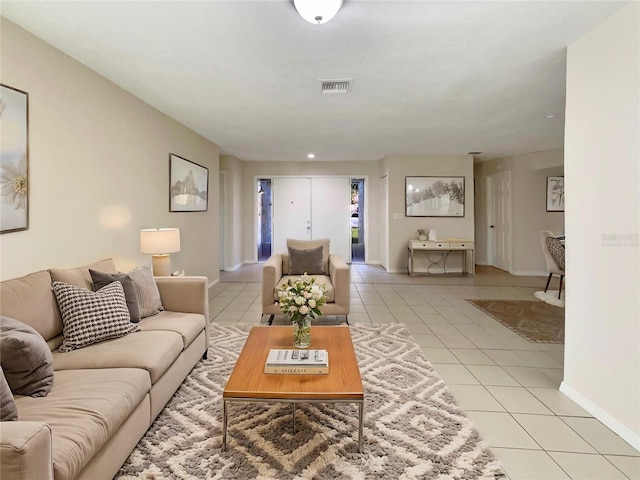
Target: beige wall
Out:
[98,169]
[403,228]
[529,174]
[368,170]
[602,172]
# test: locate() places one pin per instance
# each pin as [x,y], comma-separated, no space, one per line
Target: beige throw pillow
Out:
[149,302]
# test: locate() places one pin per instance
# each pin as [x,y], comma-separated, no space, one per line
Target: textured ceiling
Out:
[444,77]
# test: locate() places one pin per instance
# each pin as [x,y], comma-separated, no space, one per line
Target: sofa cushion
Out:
[80,276]
[329,292]
[307,261]
[153,351]
[83,410]
[101,279]
[188,325]
[149,301]
[31,300]
[307,244]
[8,410]
[90,317]
[26,359]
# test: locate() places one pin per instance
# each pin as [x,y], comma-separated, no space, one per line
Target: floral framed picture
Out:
[555,194]
[434,196]
[14,159]
[188,185]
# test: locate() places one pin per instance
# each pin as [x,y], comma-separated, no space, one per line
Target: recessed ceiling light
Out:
[550,116]
[311,155]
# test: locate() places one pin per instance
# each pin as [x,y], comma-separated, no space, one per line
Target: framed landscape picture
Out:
[555,194]
[188,185]
[434,196]
[14,159]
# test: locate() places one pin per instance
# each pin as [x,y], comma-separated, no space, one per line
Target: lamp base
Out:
[161,265]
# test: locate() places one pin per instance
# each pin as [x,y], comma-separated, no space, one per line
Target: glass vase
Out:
[302,332]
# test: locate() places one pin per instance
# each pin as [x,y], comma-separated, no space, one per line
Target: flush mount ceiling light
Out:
[311,156]
[317,11]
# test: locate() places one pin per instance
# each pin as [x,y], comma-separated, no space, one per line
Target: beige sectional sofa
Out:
[104,396]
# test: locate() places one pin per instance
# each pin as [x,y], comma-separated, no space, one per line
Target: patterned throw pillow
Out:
[149,301]
[91,317]
[101,279]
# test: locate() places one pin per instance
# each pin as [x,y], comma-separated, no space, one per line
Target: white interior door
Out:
[499,216]
[331,213]
[291,211]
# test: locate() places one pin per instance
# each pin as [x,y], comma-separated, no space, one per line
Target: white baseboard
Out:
[234,268]
[211,284]
[623,431]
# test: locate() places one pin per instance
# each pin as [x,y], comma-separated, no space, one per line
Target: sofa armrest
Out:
[340,274]
[25,450]
[271,275]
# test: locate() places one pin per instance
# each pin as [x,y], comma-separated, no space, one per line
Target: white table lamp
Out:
[160,243]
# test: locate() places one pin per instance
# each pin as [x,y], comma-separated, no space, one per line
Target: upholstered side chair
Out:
[553,256]
[314,258]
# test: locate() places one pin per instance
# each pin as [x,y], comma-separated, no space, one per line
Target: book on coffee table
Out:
[297,362]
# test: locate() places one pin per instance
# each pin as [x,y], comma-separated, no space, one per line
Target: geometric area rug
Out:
[413,427]
[536,321]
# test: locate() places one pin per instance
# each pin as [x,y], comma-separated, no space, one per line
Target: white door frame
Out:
[272,178]
[222,210]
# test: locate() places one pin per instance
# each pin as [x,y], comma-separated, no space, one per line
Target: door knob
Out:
[490,226]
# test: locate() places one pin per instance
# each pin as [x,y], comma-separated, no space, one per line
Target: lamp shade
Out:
[157,241]
[317,11]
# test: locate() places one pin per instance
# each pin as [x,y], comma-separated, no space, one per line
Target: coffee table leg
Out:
[293,410]
[360,426]
[224,425]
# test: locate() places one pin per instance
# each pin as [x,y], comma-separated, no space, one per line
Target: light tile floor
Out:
[507,385]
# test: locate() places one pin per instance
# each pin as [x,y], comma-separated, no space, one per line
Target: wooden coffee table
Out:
[249,383]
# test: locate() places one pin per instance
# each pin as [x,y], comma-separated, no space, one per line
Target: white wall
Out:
[403,228]
[98,169]
[529,174]
[602,173]
[364,169]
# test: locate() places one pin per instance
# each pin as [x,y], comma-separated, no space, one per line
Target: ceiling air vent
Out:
[336,86]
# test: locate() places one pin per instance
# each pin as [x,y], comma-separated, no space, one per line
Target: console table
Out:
[444,247]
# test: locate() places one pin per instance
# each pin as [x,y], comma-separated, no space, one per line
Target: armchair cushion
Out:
[307,261]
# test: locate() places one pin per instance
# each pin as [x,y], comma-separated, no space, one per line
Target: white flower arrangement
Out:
[301,298]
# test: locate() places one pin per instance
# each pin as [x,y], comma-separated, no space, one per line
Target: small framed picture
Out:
[434,196]
[14,160]
[188,185]
[555,194]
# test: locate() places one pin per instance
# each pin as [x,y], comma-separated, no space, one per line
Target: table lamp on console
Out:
[160,243]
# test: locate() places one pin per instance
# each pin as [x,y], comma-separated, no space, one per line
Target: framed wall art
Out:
[188,185]
[555,194]
[14,159]
[434,196]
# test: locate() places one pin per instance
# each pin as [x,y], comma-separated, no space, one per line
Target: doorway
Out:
[264,219]
[357,220]
[499,220]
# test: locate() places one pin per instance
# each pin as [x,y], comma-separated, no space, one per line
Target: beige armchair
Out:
[553,252]
[334,274]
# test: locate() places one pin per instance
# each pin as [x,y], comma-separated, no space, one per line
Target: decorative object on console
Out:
[422,234]
[188,185]
[14,160]
[301,300]
[555,194]
[317,11]
[432,235]
[160,242]
[434,196]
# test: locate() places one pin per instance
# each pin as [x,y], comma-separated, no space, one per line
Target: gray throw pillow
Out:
[149,301]
[27,361]
[101,279]
[8,410]
[91,317]
[306,261]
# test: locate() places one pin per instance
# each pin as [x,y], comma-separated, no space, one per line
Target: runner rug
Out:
[536,321]
[413,428]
